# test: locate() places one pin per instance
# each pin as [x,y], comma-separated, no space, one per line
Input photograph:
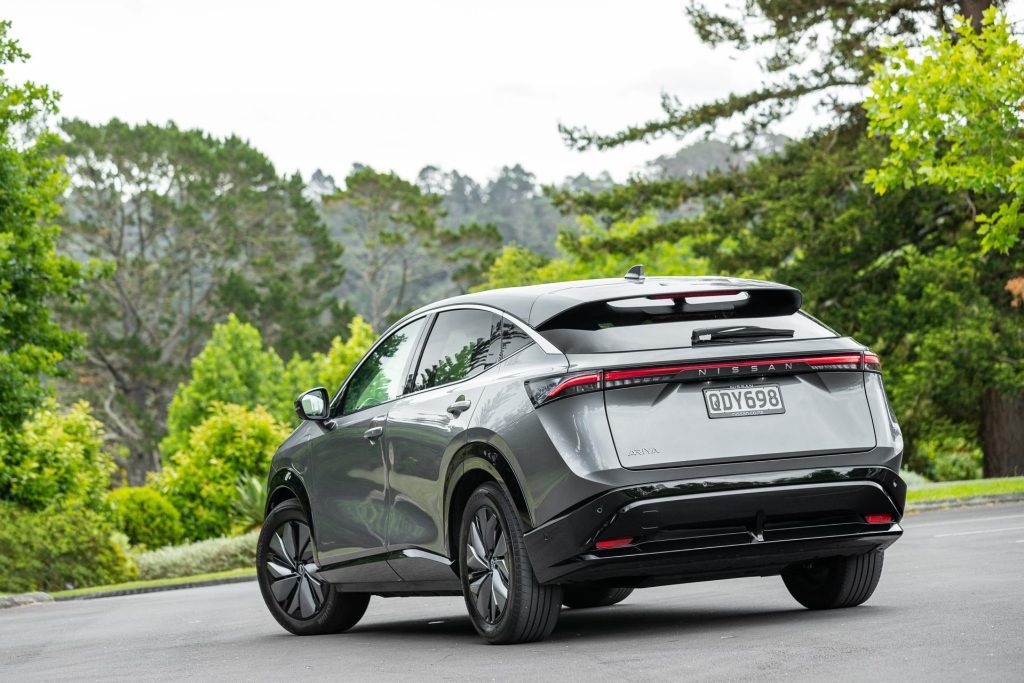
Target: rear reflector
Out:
[880,518]
[613,543]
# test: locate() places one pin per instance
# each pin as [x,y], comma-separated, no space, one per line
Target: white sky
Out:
[461,84]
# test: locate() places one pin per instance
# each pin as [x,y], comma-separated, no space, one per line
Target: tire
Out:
[301,601]
[492,559]
[835,581]
[584,595]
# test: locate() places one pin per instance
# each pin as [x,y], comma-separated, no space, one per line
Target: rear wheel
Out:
[504,599]
[835,581]
[298,597]
[587,595]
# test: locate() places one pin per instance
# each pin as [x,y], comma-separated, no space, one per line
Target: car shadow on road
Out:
[636,619]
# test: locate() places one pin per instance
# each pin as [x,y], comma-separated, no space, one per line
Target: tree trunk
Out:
[973,11]
[1002,433]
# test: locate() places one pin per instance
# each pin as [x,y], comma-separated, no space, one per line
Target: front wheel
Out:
[504,599]
[301,601]
[834,581]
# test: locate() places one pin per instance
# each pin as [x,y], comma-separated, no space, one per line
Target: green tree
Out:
[954,118]
[56,459]
[952,114]
[233,367]
[399,254]
[32,344]
[197,227]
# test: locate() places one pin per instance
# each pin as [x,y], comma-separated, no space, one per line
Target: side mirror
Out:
[313,405]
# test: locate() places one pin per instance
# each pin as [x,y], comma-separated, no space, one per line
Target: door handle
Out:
[373,432]
[459,407]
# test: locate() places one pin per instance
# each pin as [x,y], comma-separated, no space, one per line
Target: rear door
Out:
[686,386]
[426,428]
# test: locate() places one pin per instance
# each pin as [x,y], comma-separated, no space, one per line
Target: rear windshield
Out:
[603,329]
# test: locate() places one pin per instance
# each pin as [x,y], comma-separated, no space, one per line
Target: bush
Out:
[234,368]
[58,549]
[949,458]
[201,480]
[57,458]
[145,516]
[213,555]
[250,502]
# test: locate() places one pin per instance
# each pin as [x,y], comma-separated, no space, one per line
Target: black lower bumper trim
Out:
[719,528]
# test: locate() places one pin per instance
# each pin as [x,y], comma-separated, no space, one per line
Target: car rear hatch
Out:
[721,376]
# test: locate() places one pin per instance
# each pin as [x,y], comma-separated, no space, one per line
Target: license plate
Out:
[745,401]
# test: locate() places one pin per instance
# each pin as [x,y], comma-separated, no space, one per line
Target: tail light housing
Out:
[546,389]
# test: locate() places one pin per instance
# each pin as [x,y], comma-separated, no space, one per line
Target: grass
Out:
[965,489]
[154,583]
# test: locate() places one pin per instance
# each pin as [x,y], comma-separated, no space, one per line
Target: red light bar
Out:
[682,295]
[848,359]
[594,378]
[879,518]
[613,543]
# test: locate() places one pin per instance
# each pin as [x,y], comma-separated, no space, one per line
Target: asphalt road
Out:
[950,606]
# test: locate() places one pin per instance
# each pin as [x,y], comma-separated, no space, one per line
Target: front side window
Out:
[462,344]
[381,378]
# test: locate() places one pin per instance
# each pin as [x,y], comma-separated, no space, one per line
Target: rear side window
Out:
[601,328]
[462,344]
[513,338]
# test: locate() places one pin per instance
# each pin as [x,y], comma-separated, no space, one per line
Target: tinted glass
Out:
[382,377]
[512,338]
[614,332]
[461,344]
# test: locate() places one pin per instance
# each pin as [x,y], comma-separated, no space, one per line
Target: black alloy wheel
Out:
[505,601]
[301,600]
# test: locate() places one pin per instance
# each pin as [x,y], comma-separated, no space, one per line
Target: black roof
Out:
[537,304]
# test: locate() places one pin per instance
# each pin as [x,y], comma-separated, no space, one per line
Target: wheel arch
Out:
[474,464]
[285,485]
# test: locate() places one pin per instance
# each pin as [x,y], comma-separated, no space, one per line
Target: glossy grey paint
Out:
[558,456]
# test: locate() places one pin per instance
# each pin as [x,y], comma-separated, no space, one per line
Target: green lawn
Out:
[965,489]
[231,573]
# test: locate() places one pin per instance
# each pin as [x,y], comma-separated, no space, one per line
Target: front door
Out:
[348,486]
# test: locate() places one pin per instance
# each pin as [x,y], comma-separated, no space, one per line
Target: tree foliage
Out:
[398,247]
[145,516]
[201,480]
[56,459]
[197,227]
[954,118]
[32,344]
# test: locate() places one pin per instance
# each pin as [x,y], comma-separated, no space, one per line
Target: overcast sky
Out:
[468,85]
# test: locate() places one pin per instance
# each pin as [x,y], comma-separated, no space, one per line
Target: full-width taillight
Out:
[548,389]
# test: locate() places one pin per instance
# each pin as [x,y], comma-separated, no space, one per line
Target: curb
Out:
[24,599]
[155,589]
[970,501]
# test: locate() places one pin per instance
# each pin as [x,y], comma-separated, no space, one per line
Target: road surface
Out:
[950,606]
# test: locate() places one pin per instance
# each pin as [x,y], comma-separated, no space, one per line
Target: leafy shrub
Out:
[59,548]
[213,555]
[250,502]
[145,516]
[201,480]
[949,458]
[913,479]
[234,368]
[57,458]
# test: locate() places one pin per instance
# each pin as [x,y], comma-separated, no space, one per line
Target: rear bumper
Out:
[694,530]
